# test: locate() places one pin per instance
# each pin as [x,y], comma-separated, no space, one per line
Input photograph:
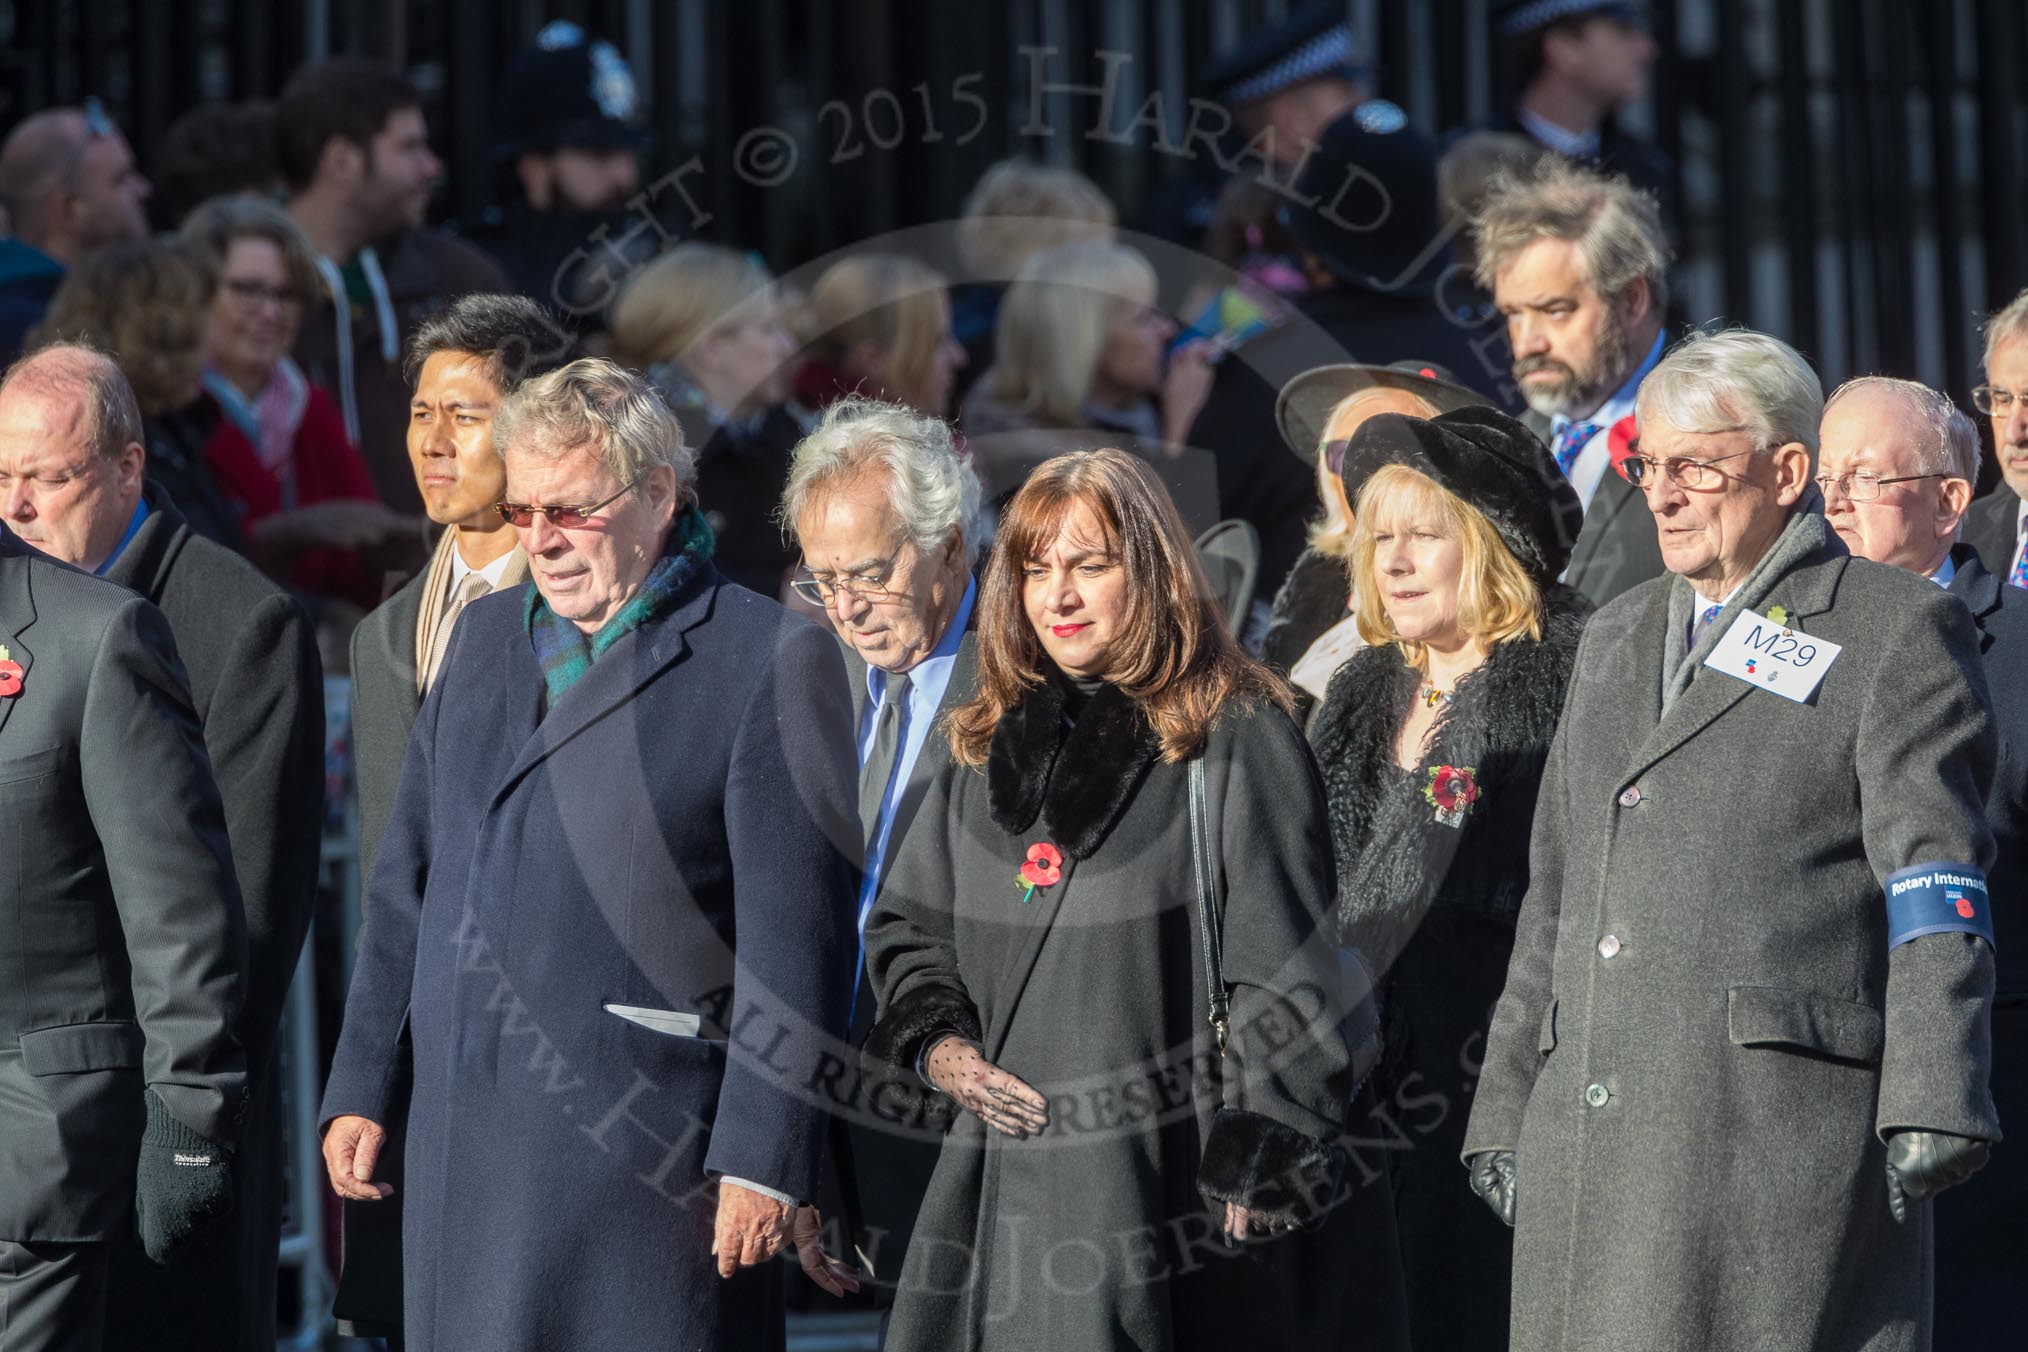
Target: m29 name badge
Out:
[1769,655]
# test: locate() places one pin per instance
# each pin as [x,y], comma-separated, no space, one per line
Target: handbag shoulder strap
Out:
[1210,915]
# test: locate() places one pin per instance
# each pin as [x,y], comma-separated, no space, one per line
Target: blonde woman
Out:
[1082,361]
[1015,211]
[879,325]
[1432,741]
[1310,629]
[704,324]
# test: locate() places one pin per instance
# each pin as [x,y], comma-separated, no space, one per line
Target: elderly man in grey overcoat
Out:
[1744,1035]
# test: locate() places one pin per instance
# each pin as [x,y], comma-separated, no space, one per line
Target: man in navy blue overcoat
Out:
[611,919]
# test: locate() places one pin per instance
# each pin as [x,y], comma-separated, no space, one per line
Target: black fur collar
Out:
[1078,780]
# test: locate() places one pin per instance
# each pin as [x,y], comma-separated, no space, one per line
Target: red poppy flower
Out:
[1623,443]
[1451,788]
[10,679]
[1044,867]
[1965,907]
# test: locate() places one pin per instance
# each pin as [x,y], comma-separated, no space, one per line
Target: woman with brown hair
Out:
[1432,740]
[1143,1030]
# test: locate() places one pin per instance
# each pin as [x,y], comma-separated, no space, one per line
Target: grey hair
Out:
[1616,227]
[596,405]
[1949,444]
[933,490]
[111,414]
[1736,380]
[2010,321]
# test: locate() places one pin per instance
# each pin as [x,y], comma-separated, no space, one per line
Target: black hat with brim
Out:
[1490,460]
[1313,43]
[1514,18]
[1303,409]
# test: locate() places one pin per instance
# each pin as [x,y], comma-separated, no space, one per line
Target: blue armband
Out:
[1937,899]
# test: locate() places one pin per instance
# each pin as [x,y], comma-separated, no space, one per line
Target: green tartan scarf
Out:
[565,653]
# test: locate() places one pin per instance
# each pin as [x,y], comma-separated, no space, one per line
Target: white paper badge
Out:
[1765,654]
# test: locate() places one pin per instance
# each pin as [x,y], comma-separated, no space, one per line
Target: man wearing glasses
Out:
[882,507]
[1997,524]
[1897,463]
[68,184]
[608,926]
[1744,1033]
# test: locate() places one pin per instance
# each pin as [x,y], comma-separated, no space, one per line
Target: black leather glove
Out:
[182,1183]
[1921,1164]
[1493,1179]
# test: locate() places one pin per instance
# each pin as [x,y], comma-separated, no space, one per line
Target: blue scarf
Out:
[565,653]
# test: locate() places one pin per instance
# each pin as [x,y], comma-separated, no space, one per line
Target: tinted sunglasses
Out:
[523,514]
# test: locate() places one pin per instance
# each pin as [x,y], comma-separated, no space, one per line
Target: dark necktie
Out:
[1570,443]
[881,758]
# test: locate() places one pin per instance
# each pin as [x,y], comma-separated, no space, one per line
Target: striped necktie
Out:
[1703,622]
[1570,444]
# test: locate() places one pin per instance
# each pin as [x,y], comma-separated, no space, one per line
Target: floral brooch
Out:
[1043,868]
[1452,789]
[10,674]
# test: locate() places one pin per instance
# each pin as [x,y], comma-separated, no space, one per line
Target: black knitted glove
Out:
[182,1184]
[1921,1164]
[1492,1177]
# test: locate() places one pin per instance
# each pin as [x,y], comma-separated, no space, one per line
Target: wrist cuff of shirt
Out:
[761,1188]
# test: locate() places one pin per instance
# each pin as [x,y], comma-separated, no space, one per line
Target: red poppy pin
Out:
[10,674]
[1043,868]
[1452,789]
[1623,443]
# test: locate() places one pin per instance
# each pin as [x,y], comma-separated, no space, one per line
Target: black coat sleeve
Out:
[156,811]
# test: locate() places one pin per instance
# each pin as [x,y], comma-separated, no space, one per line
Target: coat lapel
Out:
[1977,588]
[1612,498]
[1805,591]
[633,661]
[17,614]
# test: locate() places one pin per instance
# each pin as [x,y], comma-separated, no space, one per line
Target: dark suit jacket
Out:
[674,834]
[1617,548]
[126,943]
[1991,529]
[894,1165]
[258,688]
[2001,612]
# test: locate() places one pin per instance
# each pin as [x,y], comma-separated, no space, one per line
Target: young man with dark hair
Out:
[353,150]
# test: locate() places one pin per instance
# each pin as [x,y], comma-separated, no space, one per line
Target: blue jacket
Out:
[28,278]
[674,835]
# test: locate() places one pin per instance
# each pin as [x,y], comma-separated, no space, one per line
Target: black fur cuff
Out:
[1264,1166]
[897,1037]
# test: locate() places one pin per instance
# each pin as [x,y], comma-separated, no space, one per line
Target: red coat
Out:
[328,467]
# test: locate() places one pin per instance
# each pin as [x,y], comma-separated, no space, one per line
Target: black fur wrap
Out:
[1395,860]
[1076,779]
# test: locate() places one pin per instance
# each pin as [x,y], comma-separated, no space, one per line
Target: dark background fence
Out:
[1851,171]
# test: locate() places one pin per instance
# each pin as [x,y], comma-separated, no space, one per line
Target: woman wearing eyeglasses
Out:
[1135,1163]
[1431,741]
[304,493]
